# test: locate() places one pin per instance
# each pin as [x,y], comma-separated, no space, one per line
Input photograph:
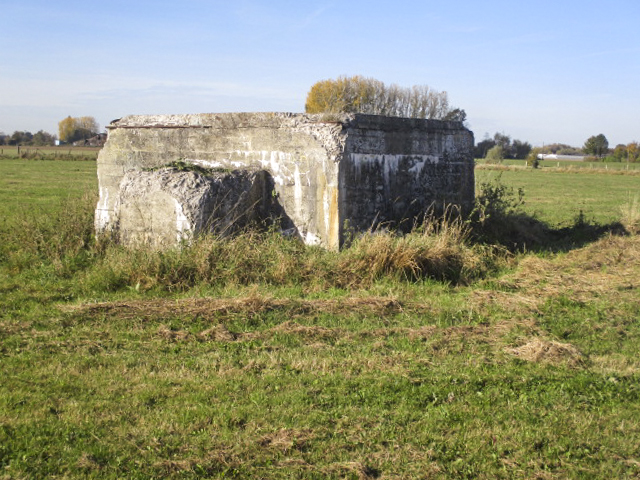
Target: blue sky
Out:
[543,72]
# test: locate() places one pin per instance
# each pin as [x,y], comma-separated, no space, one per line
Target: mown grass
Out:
[66,152]
[572,165]
[560,197]
[433,355]
[25,184]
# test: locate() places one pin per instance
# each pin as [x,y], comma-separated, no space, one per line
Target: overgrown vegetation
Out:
[440,249]
[448,352]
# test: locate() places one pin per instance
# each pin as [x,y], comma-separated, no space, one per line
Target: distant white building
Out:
[553,156]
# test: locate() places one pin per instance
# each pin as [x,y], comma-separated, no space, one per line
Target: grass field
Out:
[430,356]
[43,184]
[573,165]
[64,152]
[559,197]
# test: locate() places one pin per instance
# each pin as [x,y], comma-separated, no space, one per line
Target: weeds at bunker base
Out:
[357,170]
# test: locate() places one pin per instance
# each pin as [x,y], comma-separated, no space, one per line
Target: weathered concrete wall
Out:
[318,175]
[394,169]
[168,205]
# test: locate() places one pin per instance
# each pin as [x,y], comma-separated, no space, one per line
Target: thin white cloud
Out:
[609,53]
[312,17]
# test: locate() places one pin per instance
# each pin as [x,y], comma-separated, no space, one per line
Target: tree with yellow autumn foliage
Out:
[359,94]
[72,129]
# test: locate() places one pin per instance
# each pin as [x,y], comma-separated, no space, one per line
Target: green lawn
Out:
[43,183]
[559,197]
[573,165]
[118,364]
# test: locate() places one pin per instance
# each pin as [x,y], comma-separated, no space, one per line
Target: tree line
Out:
[597,146]
[38,139]
[360,94]
[500,146]
[70,129]
[626,153]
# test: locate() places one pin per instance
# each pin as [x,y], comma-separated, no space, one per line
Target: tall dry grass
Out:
[438,249]
[630,215]
[449,248]
[247,258]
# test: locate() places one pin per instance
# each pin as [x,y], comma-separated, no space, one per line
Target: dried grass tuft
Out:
[516,303]
[313,332]
[173,335]
[545,351]
[219,333]
[285,440]
[616,363]
[436,249]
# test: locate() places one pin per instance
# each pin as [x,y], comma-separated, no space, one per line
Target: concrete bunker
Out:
[165,178]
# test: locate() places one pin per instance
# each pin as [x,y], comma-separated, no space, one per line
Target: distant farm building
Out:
[95,141]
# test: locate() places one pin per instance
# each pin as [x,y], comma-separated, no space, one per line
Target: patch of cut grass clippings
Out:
[166,398]
[538,350]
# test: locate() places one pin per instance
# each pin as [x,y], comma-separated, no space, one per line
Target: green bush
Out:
[495,154]
[532,159]
[499,219]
